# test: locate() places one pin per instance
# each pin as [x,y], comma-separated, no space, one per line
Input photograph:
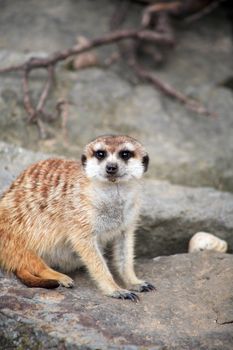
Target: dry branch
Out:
[168,90]
[49,63]
[156,8]
[27,100]
[37,63]
[204,11]
[46,90]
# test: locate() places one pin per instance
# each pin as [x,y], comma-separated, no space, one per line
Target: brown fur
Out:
[56,214]
[36,196]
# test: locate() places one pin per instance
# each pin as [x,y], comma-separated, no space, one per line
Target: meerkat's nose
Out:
[111,168]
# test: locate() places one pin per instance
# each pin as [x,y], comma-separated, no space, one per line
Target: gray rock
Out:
[191,309]
[13,160]
[51,25]
[171,215]
[185,148]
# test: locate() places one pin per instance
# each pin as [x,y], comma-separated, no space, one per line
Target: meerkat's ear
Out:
[83,159]
[145,162]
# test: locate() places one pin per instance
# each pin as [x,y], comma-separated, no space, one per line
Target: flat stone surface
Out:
[185,148]
[170,215]
[191,309]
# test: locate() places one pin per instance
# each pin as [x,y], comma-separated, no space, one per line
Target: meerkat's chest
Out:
[115,210]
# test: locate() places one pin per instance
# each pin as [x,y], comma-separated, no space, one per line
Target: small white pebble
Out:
[206,241]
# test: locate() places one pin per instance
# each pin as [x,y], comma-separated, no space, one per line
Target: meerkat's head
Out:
[115,159]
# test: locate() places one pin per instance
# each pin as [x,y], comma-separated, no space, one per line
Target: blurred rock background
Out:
[190,180]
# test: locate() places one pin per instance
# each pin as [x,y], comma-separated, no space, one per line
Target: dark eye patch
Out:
[83,159]
[145,162]
[100,154]
[126,154]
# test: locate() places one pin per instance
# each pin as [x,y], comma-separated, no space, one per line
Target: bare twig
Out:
[46,90]
[203,12]
[41,129]
[32,113]
[63,111]
[156,8]
[128,51]
[49,63]
[37,63]
[168,90]
[27,99]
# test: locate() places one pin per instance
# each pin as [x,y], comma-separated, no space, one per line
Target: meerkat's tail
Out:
[19,257]
[25,264]
[35,282]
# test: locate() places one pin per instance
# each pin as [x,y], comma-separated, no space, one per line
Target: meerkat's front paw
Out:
[125,294]
[66,281]
[144,287]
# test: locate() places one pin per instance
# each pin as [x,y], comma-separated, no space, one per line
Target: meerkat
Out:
[59,213]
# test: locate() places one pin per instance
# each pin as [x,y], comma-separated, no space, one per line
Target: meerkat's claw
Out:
[125,295]
[146,287]
[143,287]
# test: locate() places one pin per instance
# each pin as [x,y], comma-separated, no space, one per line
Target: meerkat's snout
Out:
[112,171]
[111,168]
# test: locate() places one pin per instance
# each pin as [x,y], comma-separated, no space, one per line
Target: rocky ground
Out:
[191,309]
[188,189]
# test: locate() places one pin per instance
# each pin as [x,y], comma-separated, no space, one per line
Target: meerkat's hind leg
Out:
[34,272]
[62,279]
[35,282]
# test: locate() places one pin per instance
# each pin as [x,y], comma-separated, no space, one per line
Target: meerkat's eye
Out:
[126,155]
[100,154]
